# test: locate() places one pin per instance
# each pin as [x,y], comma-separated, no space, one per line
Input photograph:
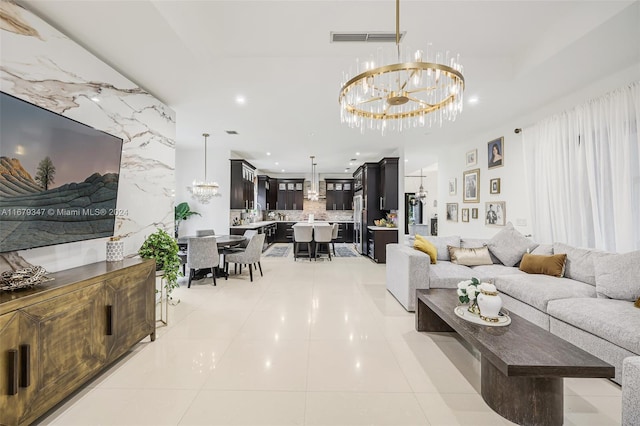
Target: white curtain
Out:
[583,173]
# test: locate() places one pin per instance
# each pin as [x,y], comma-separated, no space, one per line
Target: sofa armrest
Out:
[630,391]
[407,269]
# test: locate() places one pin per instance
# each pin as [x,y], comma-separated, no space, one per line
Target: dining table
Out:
[224,243]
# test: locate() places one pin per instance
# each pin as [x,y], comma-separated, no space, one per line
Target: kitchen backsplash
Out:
[317,208]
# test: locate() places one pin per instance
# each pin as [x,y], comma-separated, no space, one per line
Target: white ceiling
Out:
[198,56]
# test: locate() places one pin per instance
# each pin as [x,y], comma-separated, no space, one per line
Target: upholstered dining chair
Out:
[302,234]
[250,256]
[205,232]
[202,253]
[322,237]
[334,236]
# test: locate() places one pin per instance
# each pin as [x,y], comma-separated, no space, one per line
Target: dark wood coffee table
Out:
[522,365]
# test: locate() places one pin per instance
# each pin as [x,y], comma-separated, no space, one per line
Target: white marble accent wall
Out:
[41,65]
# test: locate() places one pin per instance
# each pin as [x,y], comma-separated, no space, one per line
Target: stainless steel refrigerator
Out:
[359,222]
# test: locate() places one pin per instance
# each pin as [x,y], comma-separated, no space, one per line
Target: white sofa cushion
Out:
[441,244]
[537,290]
[509,245]
[618,276]
[580,262]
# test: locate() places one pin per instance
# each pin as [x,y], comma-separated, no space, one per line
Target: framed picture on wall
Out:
[472,158]
[495,213]
[465,215]
[494,186]
[453,186]
[470,186]
[474,213]
[452,212]
[495,153]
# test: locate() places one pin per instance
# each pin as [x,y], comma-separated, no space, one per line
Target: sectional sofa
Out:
[591,306]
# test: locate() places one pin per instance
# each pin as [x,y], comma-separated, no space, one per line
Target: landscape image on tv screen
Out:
[58,178]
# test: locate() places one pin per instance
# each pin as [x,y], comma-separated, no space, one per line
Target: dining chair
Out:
[202,253]
[322,237]
[205,232]
[250,256]
[302,234]
[334,236]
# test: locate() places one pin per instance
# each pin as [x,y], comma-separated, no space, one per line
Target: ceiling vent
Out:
[231,132]
[367,37]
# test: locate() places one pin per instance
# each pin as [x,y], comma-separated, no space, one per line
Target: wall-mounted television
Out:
[58,178]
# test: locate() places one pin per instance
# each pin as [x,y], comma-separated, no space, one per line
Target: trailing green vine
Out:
[164,249]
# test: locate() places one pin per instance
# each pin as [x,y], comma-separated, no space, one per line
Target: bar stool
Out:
[302,234]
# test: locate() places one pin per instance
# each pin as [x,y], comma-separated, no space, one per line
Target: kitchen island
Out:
[267,227]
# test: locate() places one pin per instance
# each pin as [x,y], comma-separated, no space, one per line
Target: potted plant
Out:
[164,249]
[183,212]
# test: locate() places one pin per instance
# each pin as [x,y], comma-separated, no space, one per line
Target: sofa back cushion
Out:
[509,245]
[618,276]
[479,242]
[542,264]
[441,244]
[470,256]
[580,262]
[420,243]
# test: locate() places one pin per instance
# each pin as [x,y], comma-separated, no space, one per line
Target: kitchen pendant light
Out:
[203,191]
[312,195]
[422,88]
[421,194]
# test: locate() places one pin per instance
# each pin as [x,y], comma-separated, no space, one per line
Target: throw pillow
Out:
[426,247]
[509,245]
[546,249]
[618,275]
[470,256]
[637,304]
[544,264]
[478,242]
[580,262]
[441,244]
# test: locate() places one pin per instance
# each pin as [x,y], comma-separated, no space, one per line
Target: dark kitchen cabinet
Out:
[378,240]
[284,232]
[242,185]
[345,232]
[339,194]
[267,193]
[290,194]
[388,184]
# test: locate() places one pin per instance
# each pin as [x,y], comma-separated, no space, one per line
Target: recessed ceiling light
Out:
[406,160]
[277,163]
[241,100]
[282,170]
[357,153]
[268,153]
[346,170]
[473,100]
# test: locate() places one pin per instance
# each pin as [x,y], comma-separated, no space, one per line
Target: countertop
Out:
[382,228]
[255,225]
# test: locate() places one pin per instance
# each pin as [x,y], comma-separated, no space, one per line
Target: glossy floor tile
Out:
[308,343]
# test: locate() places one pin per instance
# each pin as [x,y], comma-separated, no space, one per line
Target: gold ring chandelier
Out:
[421,89]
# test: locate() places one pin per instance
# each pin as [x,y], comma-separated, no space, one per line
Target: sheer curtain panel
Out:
[583,173]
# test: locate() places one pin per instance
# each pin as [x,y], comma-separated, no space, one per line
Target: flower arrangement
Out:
[467,292]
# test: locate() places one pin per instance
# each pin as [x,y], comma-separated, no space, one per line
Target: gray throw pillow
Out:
[509,245]
[441,244]
[543,249]
[618,276]
[580,262]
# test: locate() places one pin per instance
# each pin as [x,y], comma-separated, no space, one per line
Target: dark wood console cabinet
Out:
[56,336]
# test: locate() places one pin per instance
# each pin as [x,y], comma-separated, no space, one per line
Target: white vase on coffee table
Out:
[489,301]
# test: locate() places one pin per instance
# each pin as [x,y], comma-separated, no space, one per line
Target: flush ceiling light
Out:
[203,191]
[312,195]
[422,88]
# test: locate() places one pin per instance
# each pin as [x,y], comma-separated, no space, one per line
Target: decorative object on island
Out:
[182,212]
[203,191]
[495,153]
[471,187]
[421,194]
[312,195]
[467,292]
[494,186]
[164,249]
[115,249]
[453,186]
[471,158]
[422,88]
[495,213]
[489,302]
[452,212]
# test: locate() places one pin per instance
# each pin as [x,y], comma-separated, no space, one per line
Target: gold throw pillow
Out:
[637,304]
[470,256]
[427,247]
[543,264]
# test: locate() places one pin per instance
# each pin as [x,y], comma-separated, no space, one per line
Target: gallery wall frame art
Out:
[465,215]
[471,158]
[494,186]
[471,186]
[495,213]
[453,186]
[452,212]
[474,213]
[495,153]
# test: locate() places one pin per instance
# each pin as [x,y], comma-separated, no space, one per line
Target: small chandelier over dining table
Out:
[203,191]
[422,88]
[313,195]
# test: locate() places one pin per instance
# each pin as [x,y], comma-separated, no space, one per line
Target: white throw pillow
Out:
[618,276]
[509,245]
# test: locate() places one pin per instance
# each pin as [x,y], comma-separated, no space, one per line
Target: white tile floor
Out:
[307,344]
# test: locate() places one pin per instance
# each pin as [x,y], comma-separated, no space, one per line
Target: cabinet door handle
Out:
[25,366]
[12,366]
[109,320]
[381,198]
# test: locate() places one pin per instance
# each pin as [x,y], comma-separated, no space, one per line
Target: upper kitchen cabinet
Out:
[290,194]
[388,183]
[339,194]
[242,185]
[267,192]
